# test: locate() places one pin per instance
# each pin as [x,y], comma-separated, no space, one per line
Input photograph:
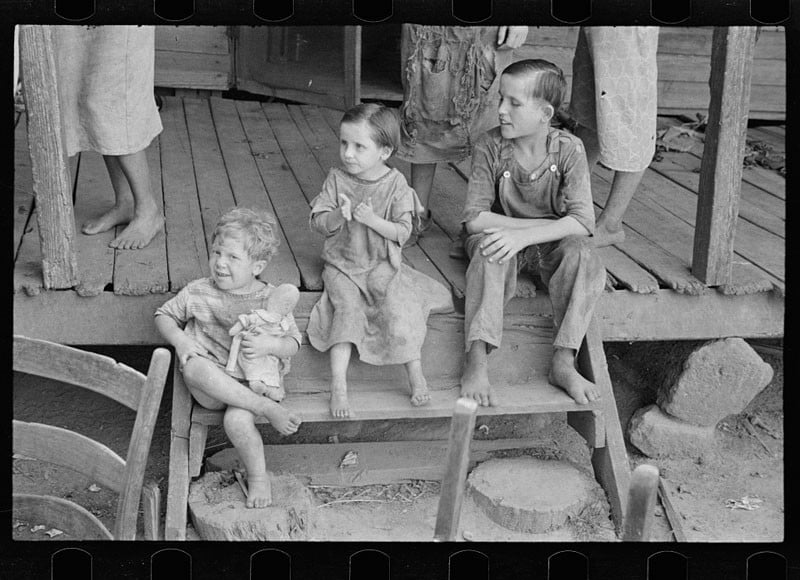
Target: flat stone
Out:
[718,379]
[218,511]
[657,434]
[533,495]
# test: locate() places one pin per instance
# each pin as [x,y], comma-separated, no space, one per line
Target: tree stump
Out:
[533,495]
[218,511]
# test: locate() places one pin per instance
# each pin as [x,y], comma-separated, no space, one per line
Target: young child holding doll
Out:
[370,299]
[197,322]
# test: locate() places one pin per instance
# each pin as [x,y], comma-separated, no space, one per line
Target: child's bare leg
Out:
[340,360]
[283,299]
[564,374]
[475,379]
[241,430]
[208,383]
[419,386]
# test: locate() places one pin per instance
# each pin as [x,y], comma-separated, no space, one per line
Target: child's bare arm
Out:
[185,347]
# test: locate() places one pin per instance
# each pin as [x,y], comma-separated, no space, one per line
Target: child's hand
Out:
[363,212]
[189,348]
[259,343]
[502,244]
[345,206]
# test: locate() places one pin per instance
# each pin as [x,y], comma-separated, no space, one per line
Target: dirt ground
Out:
[711,494]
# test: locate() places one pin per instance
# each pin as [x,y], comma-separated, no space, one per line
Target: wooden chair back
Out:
[101,374]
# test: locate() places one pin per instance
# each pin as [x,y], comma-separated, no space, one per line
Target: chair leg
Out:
[178,486]
[198,434]
[151,506]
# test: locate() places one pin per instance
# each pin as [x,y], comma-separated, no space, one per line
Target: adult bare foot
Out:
[117,215]
[603,236]
[259,491]
[475,379]
[141,230]
[419,386]
[284,421]
[340,406]
[564,374]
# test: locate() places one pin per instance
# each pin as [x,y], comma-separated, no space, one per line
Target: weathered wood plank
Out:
[755,205]
[332,117]
[660,251]
[451,497]
[247,187]
[23,182]
[61,513]
[663,315]
[626,271]
[51,179]
[187,254]
[94,197]
[435,244]
[641,504]
[72,450]
[721,171]
[28,264]
[537,396]
[675,205]
[765,179]
[287,198]
[145,271]
[307,171]
[192,71]
[322,141]
[178,480]
[352,66]
[213,187]
[769,135]
[418,260]
[151,511]
[199,39]
[73,366]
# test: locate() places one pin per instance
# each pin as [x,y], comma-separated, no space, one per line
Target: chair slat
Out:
[69,449]
[98,373]
[61,514]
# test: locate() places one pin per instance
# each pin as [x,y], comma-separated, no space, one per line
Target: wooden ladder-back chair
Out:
[136,391]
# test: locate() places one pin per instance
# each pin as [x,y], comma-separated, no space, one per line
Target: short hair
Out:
[257,227]
[383,121]
[545,80]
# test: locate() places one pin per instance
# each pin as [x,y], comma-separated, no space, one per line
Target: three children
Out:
[528,195]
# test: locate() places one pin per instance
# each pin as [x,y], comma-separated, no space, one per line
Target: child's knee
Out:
[579,251]
[238,422]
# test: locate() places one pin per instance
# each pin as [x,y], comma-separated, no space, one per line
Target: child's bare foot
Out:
[141,230]
[564,374]
[419,386]
[604,236]
[280,418]
[340,406]
[475,379]
[259,491]
[117,215]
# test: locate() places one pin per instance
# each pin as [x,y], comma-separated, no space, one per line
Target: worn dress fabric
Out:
[370,298]
[570,267]
[615,92]
[105,77]
[450,77]
[206,314]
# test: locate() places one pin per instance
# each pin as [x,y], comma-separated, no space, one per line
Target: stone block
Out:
[657,434]
[718,379]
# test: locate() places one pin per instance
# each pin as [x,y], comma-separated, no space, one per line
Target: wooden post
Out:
[352,66]
[641,504]
[721,168]
[51,179]
[452,494]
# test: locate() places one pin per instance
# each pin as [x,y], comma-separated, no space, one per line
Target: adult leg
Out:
[422,175]
[575,278]
[489,286]
[241,430]
[123,210]
[213,388]
[147,218]
[340,360]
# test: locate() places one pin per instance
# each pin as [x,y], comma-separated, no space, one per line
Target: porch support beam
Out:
[721,168]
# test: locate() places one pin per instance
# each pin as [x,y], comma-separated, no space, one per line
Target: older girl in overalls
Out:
[529,194]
